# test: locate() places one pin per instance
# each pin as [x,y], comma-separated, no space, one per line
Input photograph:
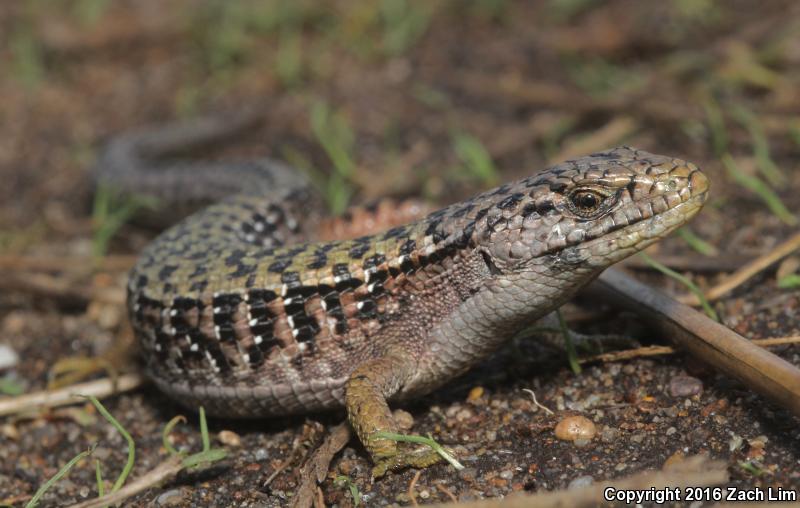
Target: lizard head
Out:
[586,214]
[529,245]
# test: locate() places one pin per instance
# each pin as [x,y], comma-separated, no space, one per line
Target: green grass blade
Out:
[685,281]
[572,354]
[427,441]
[60,474]
[125,434]
[766,194]
[697,243]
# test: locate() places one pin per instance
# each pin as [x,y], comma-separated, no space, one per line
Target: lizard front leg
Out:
[366,391]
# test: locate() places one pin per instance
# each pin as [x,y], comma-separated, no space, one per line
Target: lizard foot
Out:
[421,457]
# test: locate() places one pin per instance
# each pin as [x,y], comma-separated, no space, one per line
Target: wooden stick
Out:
[69,394]
[704,338]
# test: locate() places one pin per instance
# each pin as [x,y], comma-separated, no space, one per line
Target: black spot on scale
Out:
[510,201]
[433,226]
[528,210]
[545,207]
[463,210]
[291,279]
[341,270]
[255,296]
[243,270]
[481,214]
[378,276]
[220,360]
[358,250]
[224,305]
[558,187]
[395,233]
[367,309]
[301,291]
[166,271]
[373,261]
[235,257]
[199,270]
[183,304]
[255,356]
[318,262]
[251,280]
[408,247]
[503,189]
[141,281]
[198,286]
[491,222]
[279,265]
[168,288]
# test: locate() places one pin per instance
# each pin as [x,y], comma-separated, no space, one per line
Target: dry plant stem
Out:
[704,338]
[74,394]
[412,495]
[627,354]
[152,478]
[692,263]
[695,471]
[62,264]
[748,271]
[316,468]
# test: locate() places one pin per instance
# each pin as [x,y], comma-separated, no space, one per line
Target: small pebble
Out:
[403,419]
[609,434]
[172,497]
[8,357]
[685,386]
[580,482]
[229,438]
[671,431]
[261,454]
[575,427]
[475,394]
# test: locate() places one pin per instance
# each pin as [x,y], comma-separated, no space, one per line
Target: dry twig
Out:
[316,468]
[747,272]
[704,338]
[75,394]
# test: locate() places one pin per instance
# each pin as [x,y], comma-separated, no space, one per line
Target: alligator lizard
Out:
[242,309]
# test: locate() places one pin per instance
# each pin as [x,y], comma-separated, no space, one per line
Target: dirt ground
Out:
[437,99]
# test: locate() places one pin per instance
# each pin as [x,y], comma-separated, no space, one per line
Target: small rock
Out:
[575,427]
[735,443]
[507,474]
[609,434]
[475,394]
[671,431]
[424,494]
[685,386]
[261,454]
[8,357]
[229,438]
[580,482]
[173,497]
[403,419]
[676,459]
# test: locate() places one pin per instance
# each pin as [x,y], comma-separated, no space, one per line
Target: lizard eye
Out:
[586,202]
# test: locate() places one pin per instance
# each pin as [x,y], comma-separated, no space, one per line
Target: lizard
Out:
[245,308]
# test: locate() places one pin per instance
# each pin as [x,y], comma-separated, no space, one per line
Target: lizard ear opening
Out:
[490,263]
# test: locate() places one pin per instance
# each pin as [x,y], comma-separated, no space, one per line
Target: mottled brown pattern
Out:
[239,309]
